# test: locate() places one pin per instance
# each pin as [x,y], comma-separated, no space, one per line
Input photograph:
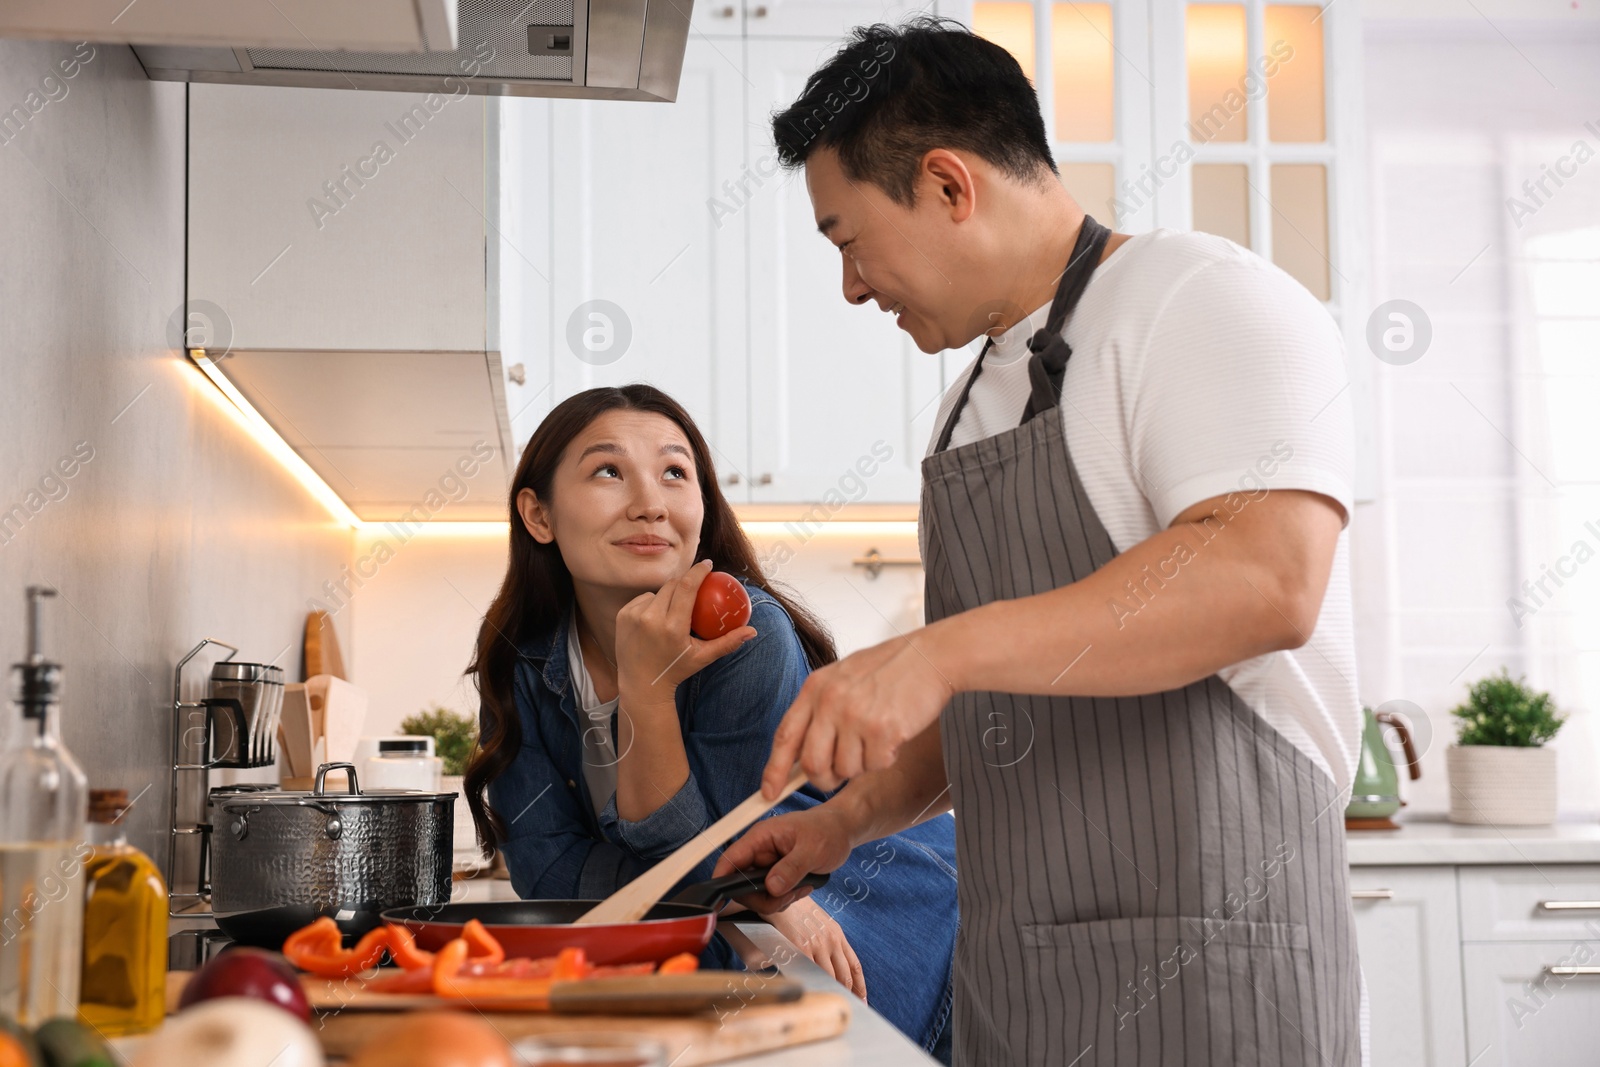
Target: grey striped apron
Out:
[1154,879]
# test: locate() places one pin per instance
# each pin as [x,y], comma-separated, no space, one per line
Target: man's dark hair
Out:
[893,93]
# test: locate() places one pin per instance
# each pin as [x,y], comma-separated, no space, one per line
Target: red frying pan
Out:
[539,928]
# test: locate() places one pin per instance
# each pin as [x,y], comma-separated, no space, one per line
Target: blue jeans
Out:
[883,899]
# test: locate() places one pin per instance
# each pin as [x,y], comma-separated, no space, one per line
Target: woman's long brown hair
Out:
[537,591]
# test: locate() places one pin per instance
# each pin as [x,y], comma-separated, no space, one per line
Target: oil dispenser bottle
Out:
[43,809]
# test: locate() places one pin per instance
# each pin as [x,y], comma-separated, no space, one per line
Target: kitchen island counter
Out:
[869,1039]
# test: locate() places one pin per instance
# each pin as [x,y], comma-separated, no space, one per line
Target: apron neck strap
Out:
[1047,367]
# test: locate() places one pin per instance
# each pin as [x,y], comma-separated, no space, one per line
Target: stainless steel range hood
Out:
[606,49]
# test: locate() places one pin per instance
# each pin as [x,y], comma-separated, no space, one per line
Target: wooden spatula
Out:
[630,903]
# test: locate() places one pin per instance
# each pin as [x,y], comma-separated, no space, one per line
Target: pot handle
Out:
[318,786]
[1389,718]
[714,893]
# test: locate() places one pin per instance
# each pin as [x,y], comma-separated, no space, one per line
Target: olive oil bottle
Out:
[123,989]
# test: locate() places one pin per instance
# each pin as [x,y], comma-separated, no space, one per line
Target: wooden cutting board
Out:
[345,1022]
[321,647]
[713,1037]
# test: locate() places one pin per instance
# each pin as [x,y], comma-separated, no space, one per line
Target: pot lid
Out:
[320,794]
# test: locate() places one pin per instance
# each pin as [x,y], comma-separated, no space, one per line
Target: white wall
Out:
[1475,493]
[179,527]
[417,617]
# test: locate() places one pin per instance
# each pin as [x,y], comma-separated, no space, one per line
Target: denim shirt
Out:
[895,899]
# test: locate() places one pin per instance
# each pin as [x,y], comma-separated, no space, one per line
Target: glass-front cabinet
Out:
[1190,115]
[1240,118]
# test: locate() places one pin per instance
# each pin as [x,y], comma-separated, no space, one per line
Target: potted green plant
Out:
[454,737]
[1501,772]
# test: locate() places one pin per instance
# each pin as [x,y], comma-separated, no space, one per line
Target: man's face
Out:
[897,257]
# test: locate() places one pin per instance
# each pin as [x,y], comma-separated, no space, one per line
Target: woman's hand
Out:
[819,936]
[656,651]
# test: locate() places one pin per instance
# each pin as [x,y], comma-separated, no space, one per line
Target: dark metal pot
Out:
[281,859]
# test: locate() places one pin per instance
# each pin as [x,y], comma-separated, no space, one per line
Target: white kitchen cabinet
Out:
[708,259]
[1531,960]
[1480,945]
[842,400]
[1528,903]
[1409,941]
[828,19]
[1520,1013]
[717,19]
[649,281]
[324,220]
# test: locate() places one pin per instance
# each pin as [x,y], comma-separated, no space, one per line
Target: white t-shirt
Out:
[599,748]
[1192,360]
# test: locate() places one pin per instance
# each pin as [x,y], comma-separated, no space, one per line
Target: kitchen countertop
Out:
[1423,841]
[868,1039]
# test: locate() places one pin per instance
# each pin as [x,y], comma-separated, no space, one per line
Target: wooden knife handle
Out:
[670,994]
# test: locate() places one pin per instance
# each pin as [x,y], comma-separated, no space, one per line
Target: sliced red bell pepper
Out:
[571,966]
[532,992]
[319,935]
[318,948]
[481,944]
[403,948]
[682,963]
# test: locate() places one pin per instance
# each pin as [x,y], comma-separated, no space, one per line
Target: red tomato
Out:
[720,607]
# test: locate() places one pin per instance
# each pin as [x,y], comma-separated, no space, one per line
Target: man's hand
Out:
[853,715]
[793,845]
[1233,577]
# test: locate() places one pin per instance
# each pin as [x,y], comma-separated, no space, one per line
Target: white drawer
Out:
[1548,902]
[1525,1007]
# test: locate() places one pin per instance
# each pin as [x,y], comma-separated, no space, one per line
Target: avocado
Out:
[68,1043]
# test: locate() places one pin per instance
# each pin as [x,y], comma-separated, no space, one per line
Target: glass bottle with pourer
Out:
[43,809]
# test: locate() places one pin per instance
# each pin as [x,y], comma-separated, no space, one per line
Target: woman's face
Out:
[625,507]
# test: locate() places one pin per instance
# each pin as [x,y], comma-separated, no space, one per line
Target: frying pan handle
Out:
[714,893]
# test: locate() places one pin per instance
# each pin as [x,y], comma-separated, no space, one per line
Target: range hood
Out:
[377,25]
[605,49]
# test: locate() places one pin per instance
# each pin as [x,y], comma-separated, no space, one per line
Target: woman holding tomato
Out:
[611,733]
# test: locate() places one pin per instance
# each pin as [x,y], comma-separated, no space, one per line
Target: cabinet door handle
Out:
[1571,972]
[765,479]
[760,11]
[1569,905]
[725,12]
[732,479]
[1372,894]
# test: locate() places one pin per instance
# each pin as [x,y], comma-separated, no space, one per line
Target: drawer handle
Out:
[1372,894]
[1569,905]
[1571,972]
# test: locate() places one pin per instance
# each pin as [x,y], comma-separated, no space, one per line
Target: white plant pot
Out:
[1497,785]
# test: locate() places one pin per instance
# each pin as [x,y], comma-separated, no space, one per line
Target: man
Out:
[1136,685]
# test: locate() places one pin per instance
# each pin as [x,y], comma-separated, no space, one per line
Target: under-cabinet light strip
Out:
[276,446]
[270,440]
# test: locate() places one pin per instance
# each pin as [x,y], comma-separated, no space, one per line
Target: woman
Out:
[610,736]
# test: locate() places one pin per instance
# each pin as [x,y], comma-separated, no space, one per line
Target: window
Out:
[1076,46]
